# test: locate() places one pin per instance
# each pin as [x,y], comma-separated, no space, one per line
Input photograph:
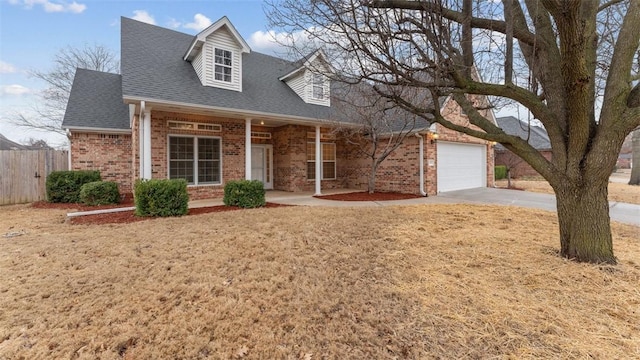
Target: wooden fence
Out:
[23,173]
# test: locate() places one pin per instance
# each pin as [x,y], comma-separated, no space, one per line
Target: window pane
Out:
[222,73]
[223,57]
[207,149]
[311,170]
[318,92]
[329,170]
[208,171]
[180,169]
[311,151]
[328,152]
[208,160]
[318,86]
[181,148]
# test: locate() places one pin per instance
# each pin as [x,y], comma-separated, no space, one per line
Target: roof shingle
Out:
[96,102]
[153,68]
[538,137]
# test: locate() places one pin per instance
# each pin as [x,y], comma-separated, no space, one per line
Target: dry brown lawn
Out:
[617,191]
[419,282]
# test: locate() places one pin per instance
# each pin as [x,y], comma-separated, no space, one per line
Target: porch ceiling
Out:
[256,119]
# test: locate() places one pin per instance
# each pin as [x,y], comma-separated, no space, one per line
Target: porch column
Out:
[318,162]
[147,144]
[247,149]
[141,145]
[144,140]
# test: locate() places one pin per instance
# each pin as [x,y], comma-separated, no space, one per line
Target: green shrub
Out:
[100,193]
[161,197]
[244,193]
[501,172]
[64,186]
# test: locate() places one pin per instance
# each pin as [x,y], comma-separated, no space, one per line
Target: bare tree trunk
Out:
[635,158]
[372,177]
[583,217]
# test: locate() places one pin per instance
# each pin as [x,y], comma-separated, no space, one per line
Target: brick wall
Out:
[290,160]
[108,153]
[118,158]
[232,137]
[519,167]
[399,172]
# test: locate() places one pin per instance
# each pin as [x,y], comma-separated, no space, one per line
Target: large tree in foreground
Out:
[49,111]
[559,59]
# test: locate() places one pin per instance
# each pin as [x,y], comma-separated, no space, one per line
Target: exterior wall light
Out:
[433,136]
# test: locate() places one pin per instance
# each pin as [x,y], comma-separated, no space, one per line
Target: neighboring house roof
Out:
[95,102]
[6,144]
[537,136]
[153,68]
[625,156]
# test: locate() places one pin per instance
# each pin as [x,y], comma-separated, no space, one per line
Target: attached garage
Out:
[461,166]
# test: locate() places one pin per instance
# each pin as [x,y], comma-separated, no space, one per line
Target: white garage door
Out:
[461,166]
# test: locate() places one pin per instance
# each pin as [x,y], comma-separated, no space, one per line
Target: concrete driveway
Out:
[622,212]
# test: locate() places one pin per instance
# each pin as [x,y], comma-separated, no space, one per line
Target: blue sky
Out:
[32,31]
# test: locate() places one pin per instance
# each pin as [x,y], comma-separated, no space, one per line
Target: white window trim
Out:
[195,126]
[195,158]
[335,169]
[223,65]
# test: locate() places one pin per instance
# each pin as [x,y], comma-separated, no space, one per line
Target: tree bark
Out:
[635,158]
[372,177]
[585,227]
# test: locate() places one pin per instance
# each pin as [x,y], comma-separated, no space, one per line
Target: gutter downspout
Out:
[69,167]
[421,162]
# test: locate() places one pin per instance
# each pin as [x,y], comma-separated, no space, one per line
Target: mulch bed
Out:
[127,201]
[365,196]
[124,217]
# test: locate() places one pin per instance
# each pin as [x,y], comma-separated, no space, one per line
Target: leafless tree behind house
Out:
[49,111]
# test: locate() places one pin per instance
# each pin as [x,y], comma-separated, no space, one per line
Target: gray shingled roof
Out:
[153,67]
[538,137]
[6,144]
[96,102]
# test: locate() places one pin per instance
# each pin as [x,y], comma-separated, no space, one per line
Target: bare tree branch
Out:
[49,112]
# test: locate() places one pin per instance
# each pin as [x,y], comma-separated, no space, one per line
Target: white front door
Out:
[262,164]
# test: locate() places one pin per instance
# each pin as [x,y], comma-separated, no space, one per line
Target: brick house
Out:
[535,135]
[186,106]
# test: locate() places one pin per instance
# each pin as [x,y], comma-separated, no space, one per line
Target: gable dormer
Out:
[216,55]
[310,80]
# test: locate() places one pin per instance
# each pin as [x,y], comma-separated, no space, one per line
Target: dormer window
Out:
[318,87]
[223,65]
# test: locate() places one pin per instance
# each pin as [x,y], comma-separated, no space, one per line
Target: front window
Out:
[223,65]
[318,86]
[195,159]
[328,158]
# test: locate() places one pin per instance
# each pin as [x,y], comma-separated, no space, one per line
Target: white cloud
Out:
[144,16]
[271,42]
[173,23]
[200,22]
[6,68]
[15,90]
[267,41]
[52,6]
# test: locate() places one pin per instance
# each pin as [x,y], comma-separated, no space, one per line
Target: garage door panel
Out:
[461,166]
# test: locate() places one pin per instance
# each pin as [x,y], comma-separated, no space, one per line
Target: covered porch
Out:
[210,147]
